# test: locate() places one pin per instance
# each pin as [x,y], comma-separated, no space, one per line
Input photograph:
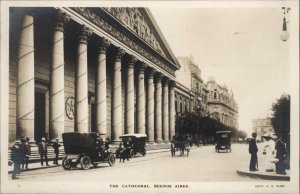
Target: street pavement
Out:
[203,164]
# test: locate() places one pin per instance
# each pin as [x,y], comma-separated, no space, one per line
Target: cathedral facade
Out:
[85,69]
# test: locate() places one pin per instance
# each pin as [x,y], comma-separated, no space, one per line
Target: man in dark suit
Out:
[253,151]
[17,156]
[280,155]
[56,146]
[43,151]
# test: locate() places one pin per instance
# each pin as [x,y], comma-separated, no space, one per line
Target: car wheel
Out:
[85,162]
[111,160]
[66,163]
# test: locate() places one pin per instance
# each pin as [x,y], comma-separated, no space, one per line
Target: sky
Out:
[239,47]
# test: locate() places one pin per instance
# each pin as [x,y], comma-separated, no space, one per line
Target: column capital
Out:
[84,34]
[158,77]
[142,67]
[165,80]
[151,71]
[172,83]
[61,19]
[131,61]
[118,54]
[103,44]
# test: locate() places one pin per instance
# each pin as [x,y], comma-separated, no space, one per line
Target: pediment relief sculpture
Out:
[137,22]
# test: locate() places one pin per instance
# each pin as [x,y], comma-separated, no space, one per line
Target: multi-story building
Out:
[108,70]
[190,89]
[261,126]
[221,104]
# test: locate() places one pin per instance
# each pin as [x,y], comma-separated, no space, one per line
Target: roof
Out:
[138,135]
[223,132]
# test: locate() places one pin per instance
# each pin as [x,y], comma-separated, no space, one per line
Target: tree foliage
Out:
[281,115]
[194,123]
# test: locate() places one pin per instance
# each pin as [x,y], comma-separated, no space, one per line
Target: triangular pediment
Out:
[141,22]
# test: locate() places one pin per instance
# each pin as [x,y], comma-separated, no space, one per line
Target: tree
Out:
[281,115]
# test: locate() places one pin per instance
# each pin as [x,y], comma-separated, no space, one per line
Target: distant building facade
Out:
[261,126]
[221,104]
[190,89]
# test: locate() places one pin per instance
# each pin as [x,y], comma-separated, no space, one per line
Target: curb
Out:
[153,151]
[264,176]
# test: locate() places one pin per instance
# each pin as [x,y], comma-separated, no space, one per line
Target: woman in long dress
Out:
[269,148]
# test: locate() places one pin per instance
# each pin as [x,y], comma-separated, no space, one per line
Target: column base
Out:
[159,141]
[166,141]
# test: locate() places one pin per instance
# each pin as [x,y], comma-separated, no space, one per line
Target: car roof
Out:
[223,132]
[137,135]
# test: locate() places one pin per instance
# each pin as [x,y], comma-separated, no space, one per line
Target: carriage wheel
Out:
[85,162]
[66,163]
[111,160]
[131,153]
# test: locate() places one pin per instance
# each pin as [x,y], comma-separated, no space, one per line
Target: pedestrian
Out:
[17,158]
[106,144]
[43,151]
[173,146]
[56,146]
[122,151]
[253,151]
[280,155]
[269,149]
[27,154]
[128,147]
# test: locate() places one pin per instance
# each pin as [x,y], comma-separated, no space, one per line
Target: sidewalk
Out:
[265,175]
[150,148]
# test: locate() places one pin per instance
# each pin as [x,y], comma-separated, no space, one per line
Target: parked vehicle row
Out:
[88,149]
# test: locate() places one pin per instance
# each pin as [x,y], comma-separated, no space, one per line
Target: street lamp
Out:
[284,35]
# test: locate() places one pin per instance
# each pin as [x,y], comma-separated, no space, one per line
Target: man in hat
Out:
[253,151]
[56,146]
[17,158]
[43,151]
[27,154]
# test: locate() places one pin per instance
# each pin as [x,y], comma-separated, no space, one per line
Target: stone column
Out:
[101,89]
[130,95]
[81,94]
[150,106]
[172,109]
[158,103]
[141,100]
[57,97]
[117,96]
[165,118]
[25,83]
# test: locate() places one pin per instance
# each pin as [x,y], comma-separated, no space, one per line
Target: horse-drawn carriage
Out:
[181,144]
[84,149]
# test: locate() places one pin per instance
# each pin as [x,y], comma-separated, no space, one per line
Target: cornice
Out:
[119,31]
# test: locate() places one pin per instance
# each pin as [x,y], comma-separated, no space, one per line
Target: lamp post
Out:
[284,35]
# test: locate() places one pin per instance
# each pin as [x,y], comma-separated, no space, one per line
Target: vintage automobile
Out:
[84,149]
[137,144]
[223,141]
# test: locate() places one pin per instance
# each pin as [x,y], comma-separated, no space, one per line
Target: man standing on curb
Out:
[17,158]
[253,151]
[56,146]
[27,154]
[43,151]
